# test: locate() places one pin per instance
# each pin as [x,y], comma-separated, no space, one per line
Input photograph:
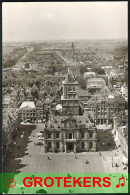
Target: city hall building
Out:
[71,131]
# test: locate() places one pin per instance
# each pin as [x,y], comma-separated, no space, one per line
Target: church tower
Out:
[70,100]
[72,46]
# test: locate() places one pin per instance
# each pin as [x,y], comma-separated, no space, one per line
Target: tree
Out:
[83,69]
[97,70]
[82,82]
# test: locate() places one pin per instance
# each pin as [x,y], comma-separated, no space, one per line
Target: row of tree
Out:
[13,58]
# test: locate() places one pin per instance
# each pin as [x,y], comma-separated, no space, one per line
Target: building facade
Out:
[28,112]
[39,111]
[69,99]
[70,132]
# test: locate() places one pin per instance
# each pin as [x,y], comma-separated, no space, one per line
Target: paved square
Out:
[30,157]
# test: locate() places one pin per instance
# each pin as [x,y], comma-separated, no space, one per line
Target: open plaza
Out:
[28,155]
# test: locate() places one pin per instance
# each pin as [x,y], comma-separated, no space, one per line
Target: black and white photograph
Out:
[65,87]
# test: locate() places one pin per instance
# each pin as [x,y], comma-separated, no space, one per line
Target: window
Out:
[69,89]
[82,135]
[105,121]
[90,144]
[82,145]
[49,144]
[49,135]
[67,124]
[57,136]
[57,145]
[90,135]
[70,135]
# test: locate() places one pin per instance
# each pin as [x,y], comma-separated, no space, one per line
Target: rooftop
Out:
[29,104]
[39,103]
[56,121]
[96,82]
[82,92]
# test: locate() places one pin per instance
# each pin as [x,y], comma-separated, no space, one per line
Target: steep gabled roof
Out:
[29,104]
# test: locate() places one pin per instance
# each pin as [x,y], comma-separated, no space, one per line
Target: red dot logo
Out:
[11,183]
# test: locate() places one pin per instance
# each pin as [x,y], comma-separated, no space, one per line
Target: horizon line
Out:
[45,40]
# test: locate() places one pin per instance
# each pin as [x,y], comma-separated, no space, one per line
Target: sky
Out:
[40,21]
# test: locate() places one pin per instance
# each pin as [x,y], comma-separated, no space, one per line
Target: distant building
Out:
[102,110]
[14,99]
[47,105]
[88,75]
[39,111]
[28,112]
[21,96]
[83,95]
[72,50]
[42,95]
[6,100]
[95,84]
[29,96]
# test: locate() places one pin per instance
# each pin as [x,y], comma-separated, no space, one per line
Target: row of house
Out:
[10,125]
[104,105]
[120,133]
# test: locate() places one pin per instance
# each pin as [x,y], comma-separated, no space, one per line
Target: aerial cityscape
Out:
[65,97]
[65,106]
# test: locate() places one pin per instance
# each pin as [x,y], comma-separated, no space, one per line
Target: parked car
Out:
[40,138]
[40,134]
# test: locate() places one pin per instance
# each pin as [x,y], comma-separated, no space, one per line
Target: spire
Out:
[72,45]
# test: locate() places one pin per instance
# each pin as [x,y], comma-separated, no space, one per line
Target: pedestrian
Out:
[86,161]
[34,143]
[49,158]
[117,165]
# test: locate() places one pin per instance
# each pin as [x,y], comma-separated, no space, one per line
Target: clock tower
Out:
[70,100]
